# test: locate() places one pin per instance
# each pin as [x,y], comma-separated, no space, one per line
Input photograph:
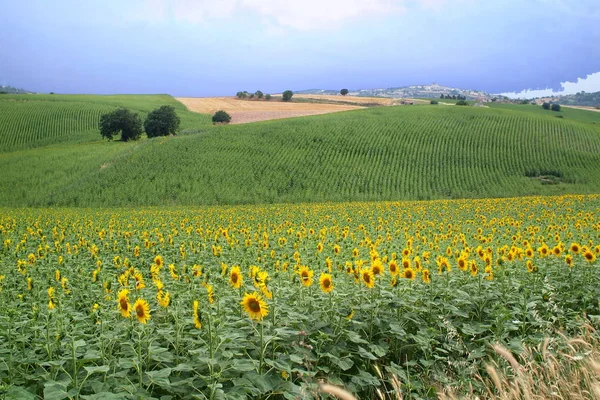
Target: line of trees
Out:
[287,95]
[128,125]
[453,97]
[258,94]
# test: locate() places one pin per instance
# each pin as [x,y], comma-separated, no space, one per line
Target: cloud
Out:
[590,83]
[296,14]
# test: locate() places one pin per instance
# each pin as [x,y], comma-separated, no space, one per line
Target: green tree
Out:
[546,106]
[259,94]
[344,92]
[121,120]
[267,97]
[162,122]
[433,102]
[221,117]
[287,95]
[462,103]
[555,107]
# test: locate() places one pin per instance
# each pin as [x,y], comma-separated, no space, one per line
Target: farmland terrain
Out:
[381,153]
[244,111]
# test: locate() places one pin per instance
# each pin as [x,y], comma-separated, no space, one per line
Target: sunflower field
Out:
[267,301]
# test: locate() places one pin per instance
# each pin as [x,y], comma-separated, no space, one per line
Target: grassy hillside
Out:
[28,121]
[419,152]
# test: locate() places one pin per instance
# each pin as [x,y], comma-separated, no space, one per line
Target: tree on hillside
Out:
[462,103]
[121,120]
[546,106]
[344,92]
[221,117]
[287,95]
[555,107]
[162,122]
[259,94]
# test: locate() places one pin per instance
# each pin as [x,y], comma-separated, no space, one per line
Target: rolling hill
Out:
[384,153]
[35,120]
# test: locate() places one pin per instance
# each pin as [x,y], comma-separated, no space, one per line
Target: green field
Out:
[28,121]
[385,153]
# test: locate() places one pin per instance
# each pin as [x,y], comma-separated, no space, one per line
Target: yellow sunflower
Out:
[377,267]
[158,260]
[197,321]
[123,303]
[235,277]
[589,255]
[575,248]
[426,276]
[409,273]
[142,310]
[255,306]
[367,277]
[393,266]
[326,283]
[306,276]
[569,260]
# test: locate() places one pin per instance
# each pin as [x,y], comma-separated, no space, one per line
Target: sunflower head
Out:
[142,310]
[255,306]
[235,277]
[367,277]
[306,276]
[409,273]
[426,276]
[123,303]
[326,283]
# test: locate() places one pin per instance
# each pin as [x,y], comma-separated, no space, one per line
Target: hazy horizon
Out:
[198,48]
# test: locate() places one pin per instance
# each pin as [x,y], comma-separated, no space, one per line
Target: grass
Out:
[384,153]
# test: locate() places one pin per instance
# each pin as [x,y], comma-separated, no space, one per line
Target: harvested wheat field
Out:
[243,111]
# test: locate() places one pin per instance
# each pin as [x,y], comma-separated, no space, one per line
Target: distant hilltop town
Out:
[414,91]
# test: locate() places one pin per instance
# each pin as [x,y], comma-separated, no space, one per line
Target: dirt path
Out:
[584,108]
[244,111]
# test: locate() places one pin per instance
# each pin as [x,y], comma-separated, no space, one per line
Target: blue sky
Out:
[209,48]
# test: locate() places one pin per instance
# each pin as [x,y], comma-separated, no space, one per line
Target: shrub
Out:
[434,102]
[221,117]
[251,96]
[546,106]
[555,107]
[121,120]
[344,92]
[162,122]
[287,95]
[259,94]
[462,103]
[267,97]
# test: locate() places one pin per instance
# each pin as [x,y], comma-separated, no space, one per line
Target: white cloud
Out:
[590,83]
[296,14]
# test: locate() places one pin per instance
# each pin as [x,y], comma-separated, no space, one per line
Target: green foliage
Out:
[462,103]
[121,121]
[344,92]
[268,97]
[447,152]
[287,95]
[259,94]
[434,102]
[546,105]
[221,117]
[555,107]
[162,122]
